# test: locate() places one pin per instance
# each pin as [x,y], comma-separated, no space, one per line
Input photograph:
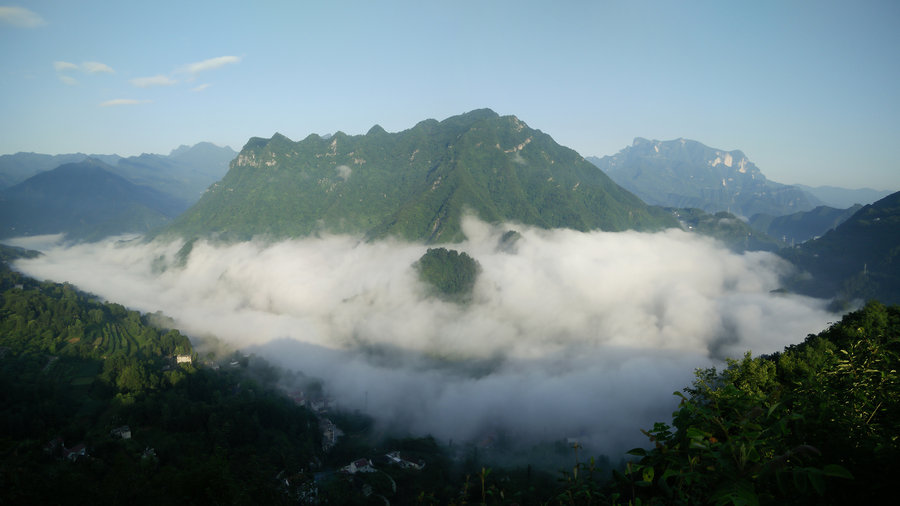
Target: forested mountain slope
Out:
[416,184]
[860,259]
[76,375]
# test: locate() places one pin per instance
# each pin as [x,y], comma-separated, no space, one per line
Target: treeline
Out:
[449,273]
[73,369]
[816,424]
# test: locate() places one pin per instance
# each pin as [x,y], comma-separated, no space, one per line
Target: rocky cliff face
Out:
[686,173]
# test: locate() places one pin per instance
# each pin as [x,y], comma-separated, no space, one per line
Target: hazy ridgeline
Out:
[568,334]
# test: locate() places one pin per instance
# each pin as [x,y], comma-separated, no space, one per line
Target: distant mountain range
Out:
[184,173]
[860,259]
[792,229]
[843,198]
[84,200]
[416,184]
[687,174]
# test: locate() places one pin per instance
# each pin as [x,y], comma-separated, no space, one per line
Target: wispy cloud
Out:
[62,66]
[88,67]
[93,67]
[212,63]
[21,17]
[123,101]
[158,80]
[201,87]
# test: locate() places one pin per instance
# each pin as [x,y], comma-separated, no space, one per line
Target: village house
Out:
[75,452]
[359,466]
[57,447]
[123,432]
[330,433]
[396,459]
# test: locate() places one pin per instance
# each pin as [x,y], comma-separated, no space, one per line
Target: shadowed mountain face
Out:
[415,184]
[184,173]
[860,259]
[86,201]
[687,174]
[800,227]
[18,167]
[843,198]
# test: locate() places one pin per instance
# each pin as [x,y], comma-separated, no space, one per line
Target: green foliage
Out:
[450,273]
[74,368]
[815,424]
[416,184]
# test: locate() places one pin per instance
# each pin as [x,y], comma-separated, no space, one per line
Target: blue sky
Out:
[808,90]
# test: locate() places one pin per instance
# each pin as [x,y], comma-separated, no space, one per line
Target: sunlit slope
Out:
[415,184]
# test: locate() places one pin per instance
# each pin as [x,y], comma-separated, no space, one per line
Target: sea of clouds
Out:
[568,334]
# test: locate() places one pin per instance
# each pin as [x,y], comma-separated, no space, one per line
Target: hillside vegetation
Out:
[73,370]
[815,424]
[860,259]
[416,185]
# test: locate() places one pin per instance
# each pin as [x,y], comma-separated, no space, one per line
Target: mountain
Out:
[803,226]
[18,167]
[687,174]
[85,200]
[843,198]
[725,228]
[416,184]
[185,172]
[860,259]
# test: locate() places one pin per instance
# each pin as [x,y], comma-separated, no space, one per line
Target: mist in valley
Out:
[568,334]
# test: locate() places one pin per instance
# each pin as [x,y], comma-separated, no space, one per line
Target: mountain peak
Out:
[686,173]
[639,140]
[415,184]
[479,114]
[200,147]
[376,130]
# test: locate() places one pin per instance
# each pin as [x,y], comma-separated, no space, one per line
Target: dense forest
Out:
[449,273]
[77,375]
[815,424]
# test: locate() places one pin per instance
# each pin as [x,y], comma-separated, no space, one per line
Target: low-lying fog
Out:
[572,334]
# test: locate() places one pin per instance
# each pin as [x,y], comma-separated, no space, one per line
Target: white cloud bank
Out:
[573,334]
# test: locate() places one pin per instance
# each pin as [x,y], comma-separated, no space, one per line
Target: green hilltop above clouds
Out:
[416,184]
